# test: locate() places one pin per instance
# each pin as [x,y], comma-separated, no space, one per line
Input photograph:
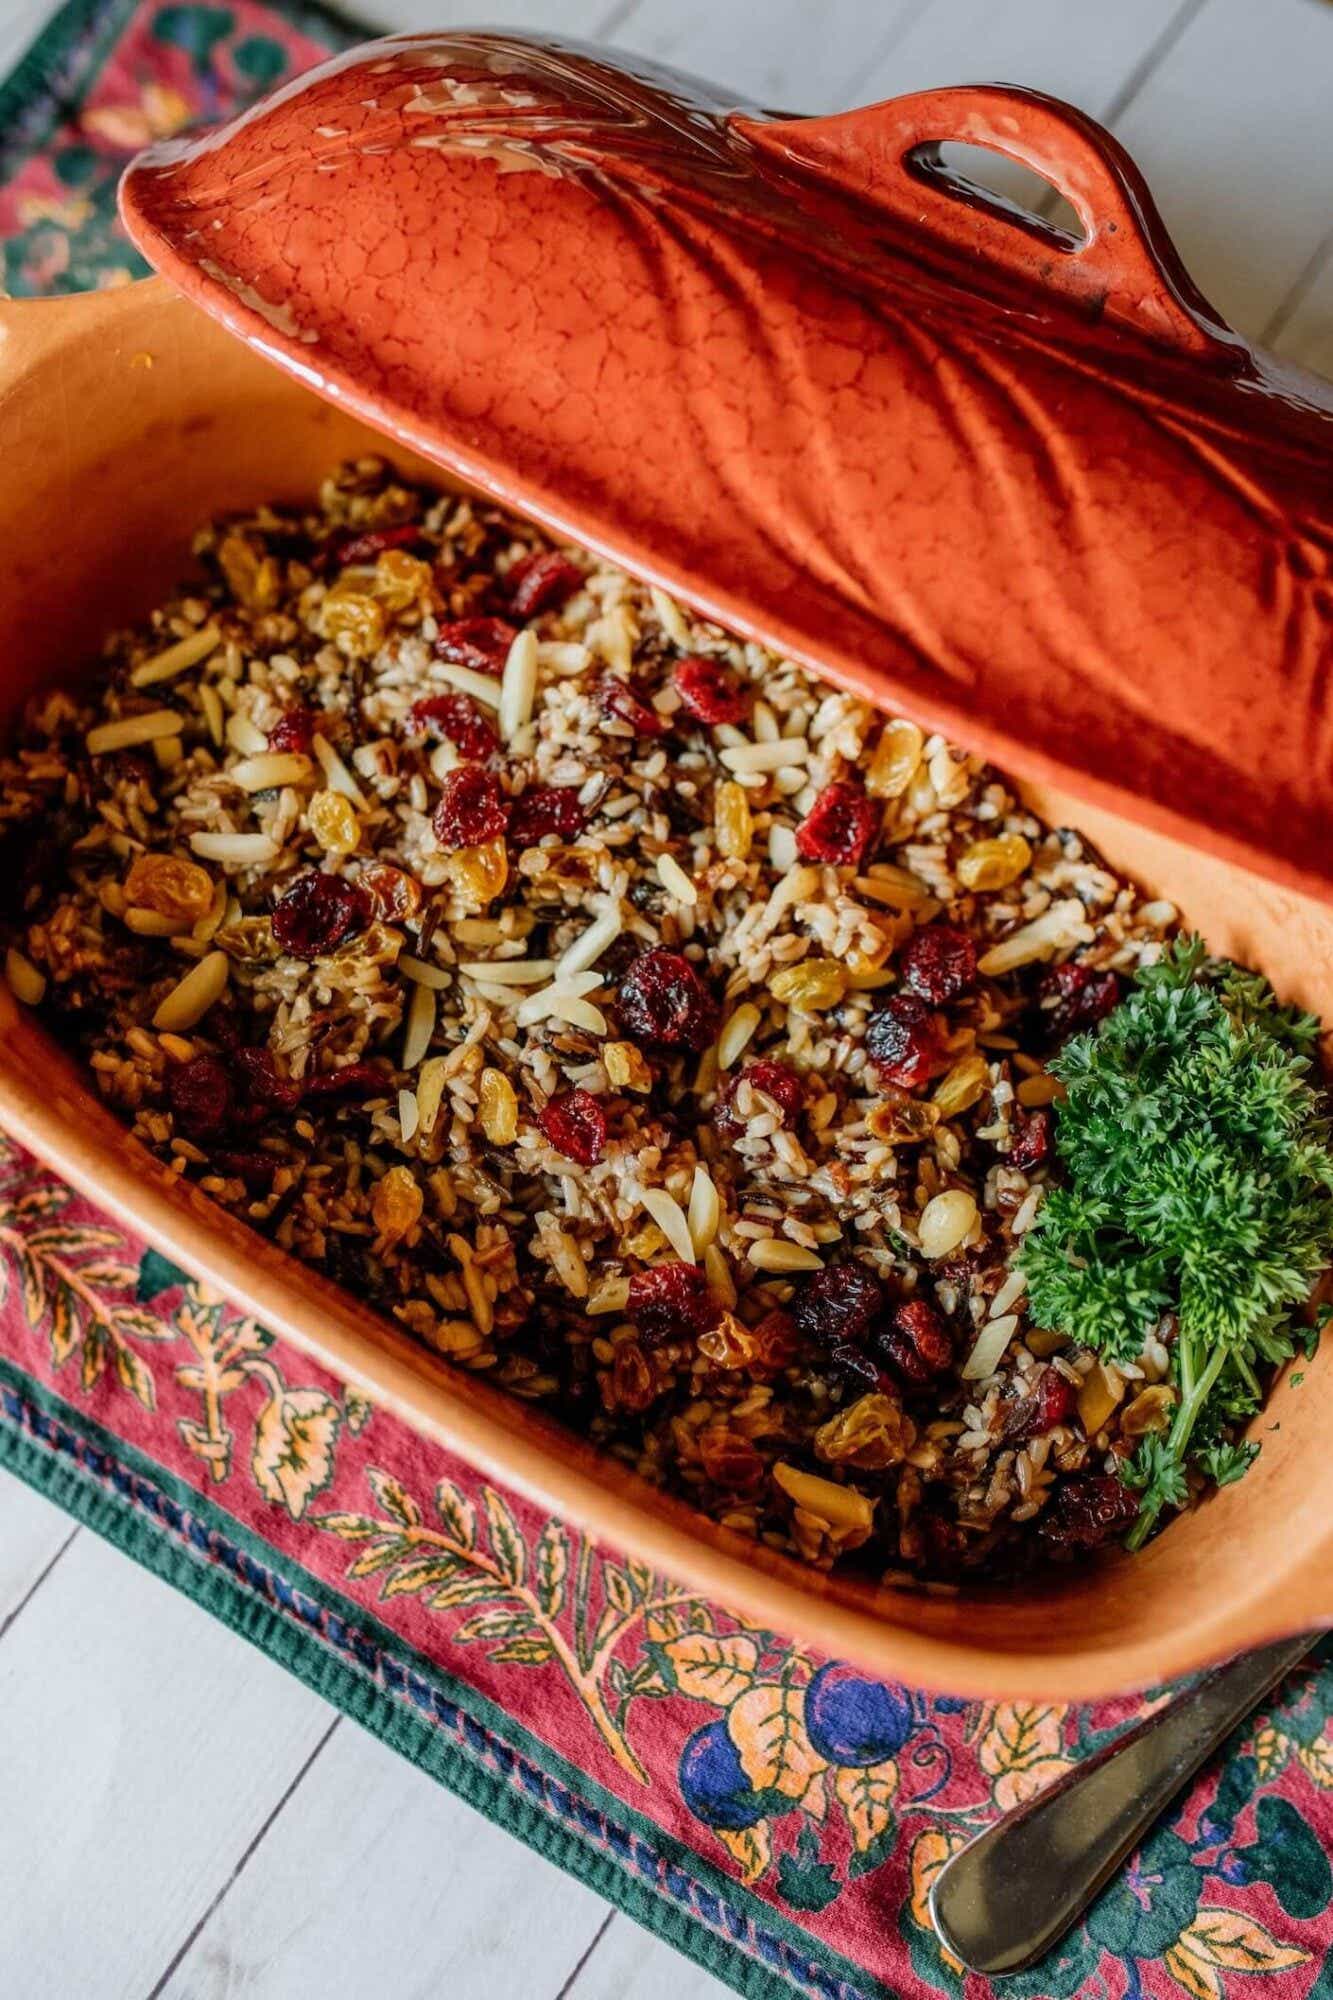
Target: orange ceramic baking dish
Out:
[1023,487]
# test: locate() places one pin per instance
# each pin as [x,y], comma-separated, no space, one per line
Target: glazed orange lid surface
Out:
[1026,488]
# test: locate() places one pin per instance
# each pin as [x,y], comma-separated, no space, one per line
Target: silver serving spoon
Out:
[1006,1898]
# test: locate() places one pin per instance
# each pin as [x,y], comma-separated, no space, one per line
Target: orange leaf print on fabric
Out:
[866,1796]
[1019,1733]
[751,1849]
[712,1667]
[767,1725]
[1237,1943]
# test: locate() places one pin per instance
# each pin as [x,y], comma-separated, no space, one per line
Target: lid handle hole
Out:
[985,179]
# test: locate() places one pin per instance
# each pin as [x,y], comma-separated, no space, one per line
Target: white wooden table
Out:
[145,1850]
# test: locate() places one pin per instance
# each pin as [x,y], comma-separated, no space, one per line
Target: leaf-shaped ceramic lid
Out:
[1026,488]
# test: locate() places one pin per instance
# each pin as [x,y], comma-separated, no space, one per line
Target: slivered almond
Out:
[422,974]
[271,768]
[421,1012]
[508,971]
[538,1005]
[589,945]
[173,660]
[244,736]
[670,1218]
[131,730]
[674,879]
[518,686]
[756,757]
[336,774]
[705,1210]
[190,999]
[24,980]
[236,850]
[482,687]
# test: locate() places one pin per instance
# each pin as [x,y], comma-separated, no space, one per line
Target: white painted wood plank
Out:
[1088,55]
[799,55]
[374,1879]
[143,1746]
[1306,336]
[1234,130]
[569,17]
[1082,53]
[630,1964]
[32,1534]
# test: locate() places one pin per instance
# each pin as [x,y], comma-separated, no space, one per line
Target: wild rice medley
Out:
[621,1011]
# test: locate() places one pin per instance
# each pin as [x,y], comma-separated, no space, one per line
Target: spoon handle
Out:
[1011,1894]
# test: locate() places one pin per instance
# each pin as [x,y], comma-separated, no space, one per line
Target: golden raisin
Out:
[480,873]
[396,1203]
[732,821]
[1151,1410]
[395,897]
[902,1120]
[181,890]
[353,619]
[994,864]
[626,1067]
[631,1384]
[871,1434]
[401,580]
[813,985]
[966,1082]
[730,1460]
[252,578]
[497,1107]
[334,823]
[893,763]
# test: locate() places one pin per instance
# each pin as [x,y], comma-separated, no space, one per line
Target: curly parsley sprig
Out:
[1197,1181]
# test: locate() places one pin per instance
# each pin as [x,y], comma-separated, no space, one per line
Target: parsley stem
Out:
[1196,1387]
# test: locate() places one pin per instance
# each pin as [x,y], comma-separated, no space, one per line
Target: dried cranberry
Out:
[838,1306]
[858,1371]
[662,999]
[916,1344]
[201,1097]
[363,545]
[774,1079]
[575,1124]
[480,643]
[319,913]
[265,1086]
[939,963]
[471,808]
[840,827]
[360,1079]
[904,1041]
[775,1342]
[710,692]
[540,582]
[294,729]
[544,809]
[617,699]
[1049,1404]
[1032,1140]
[1086,1512]
[1074,998]
[671,1301]
[459,718]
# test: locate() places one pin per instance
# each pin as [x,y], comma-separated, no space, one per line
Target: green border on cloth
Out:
[90,1498]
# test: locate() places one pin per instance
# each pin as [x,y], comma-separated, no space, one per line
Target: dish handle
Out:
[1125,266]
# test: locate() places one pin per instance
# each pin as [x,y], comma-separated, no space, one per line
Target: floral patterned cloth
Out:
[776,1815]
